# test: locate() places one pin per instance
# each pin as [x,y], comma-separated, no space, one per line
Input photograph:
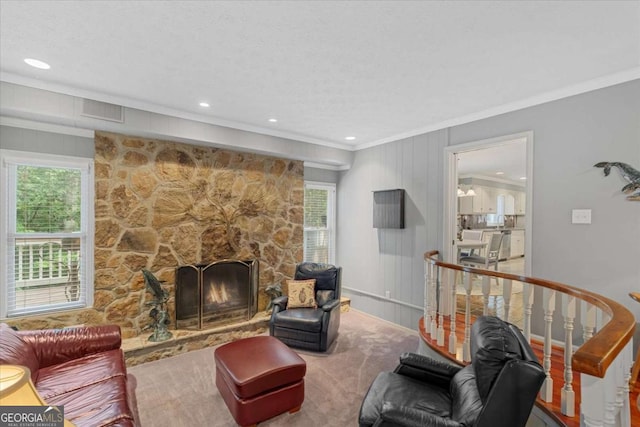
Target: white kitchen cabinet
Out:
[486,201]
[478,199]
[468,205]
[517,243]
[465,205]
[509,203]
[489,200]
[520,203]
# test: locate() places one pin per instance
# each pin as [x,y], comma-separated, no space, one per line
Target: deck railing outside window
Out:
[46,272]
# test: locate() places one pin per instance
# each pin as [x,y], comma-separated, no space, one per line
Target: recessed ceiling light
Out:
[350,138]
[37,63]
[204,104]
[523,178]
[499,173]
[273,120]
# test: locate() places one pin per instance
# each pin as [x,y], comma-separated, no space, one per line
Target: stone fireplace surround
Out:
[161,204]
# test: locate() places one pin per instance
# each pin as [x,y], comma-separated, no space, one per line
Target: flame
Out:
[217,294]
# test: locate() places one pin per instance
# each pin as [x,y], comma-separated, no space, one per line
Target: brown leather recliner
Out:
[82,368]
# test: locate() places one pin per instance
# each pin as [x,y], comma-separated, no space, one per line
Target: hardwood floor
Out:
[557,374]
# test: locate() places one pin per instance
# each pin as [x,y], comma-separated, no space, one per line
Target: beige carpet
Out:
[181,391]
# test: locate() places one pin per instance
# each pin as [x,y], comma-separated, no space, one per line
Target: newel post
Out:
[604,401]
[426,315]
[549,305]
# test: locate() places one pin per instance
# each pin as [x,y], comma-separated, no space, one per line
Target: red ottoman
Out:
[259,378]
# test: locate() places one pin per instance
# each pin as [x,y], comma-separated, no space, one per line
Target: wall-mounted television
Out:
[388,208]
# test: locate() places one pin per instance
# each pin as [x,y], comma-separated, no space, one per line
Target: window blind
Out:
[47,237]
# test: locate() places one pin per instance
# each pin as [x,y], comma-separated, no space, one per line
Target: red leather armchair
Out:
[81,368]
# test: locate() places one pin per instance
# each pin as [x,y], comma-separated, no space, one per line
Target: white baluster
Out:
[549,305]
[622,375]
[441,294]
[486,294]
[527,304]
[592,400]
[506,295]
[567,395]
[466,346]
[425,316]
[453,340]
[609,414]
[605,401]
[433,293]
[588,320]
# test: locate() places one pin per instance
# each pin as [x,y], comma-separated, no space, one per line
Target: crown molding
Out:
[588,86]
[161,109]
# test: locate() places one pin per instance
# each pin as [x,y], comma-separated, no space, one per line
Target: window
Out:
[319,222]
[46,229]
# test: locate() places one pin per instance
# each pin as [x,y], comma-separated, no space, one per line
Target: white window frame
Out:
[331,217]
[9,160]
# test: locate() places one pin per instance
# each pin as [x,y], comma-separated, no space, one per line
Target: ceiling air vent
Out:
[102,110]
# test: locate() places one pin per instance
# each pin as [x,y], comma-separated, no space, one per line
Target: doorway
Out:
[488,170]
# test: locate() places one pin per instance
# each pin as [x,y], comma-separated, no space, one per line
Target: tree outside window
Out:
[48,246]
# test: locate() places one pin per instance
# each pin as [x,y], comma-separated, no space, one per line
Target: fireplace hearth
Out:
[209,295]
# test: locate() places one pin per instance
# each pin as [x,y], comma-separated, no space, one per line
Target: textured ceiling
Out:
[326,70]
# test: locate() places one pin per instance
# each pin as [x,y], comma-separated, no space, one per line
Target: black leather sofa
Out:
[310,328]
[498,388]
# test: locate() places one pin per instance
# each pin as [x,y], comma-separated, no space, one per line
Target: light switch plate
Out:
[581,216]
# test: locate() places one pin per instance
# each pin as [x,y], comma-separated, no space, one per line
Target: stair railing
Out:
[598,349]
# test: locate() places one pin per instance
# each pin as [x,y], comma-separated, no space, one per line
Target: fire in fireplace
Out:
[209,295]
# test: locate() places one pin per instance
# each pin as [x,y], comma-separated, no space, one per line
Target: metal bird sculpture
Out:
[159,312]
[628,173]
[154,286]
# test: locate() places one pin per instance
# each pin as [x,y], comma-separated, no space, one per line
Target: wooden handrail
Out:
[596,355]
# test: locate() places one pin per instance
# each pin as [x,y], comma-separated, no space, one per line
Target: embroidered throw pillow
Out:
[301,293]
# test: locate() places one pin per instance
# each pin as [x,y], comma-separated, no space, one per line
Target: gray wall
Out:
[29,104]
[380,260]
[12,138]
[321,175]
[570,136]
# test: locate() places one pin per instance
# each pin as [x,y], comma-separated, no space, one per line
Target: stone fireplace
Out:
[164,204]
[221,292]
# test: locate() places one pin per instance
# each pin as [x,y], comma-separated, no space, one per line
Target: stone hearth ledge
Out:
[140,350]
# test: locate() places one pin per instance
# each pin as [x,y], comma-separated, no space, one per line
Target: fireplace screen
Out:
[215,294]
